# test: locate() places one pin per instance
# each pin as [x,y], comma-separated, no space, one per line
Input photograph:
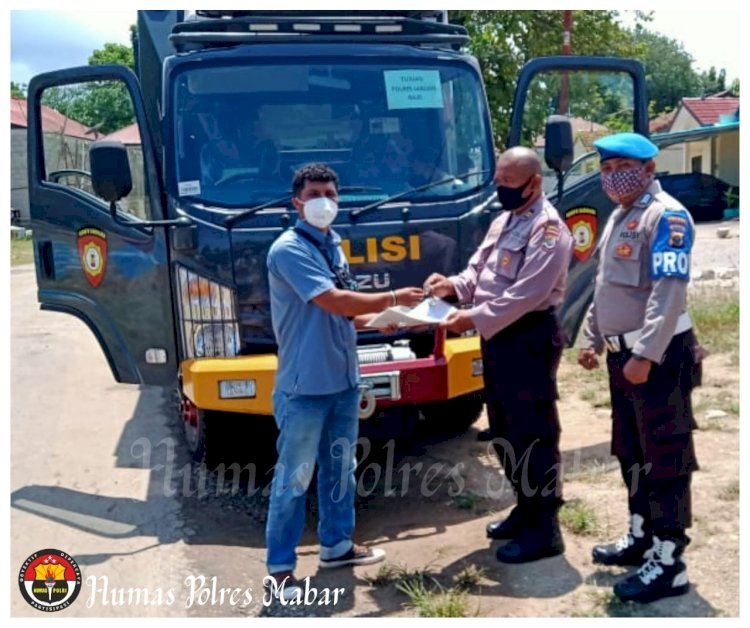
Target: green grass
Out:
[388,573]
[716,315]
[469,577]
[466,501]
[579,518]
[710,398]
[21,251]
[434,600]
[426,595]
[592,473]
[597,396]
[731,492]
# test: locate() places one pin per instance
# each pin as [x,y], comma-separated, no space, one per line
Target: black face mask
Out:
[512,198]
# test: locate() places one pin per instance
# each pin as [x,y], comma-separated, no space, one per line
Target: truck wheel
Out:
[453,416]
[194,428]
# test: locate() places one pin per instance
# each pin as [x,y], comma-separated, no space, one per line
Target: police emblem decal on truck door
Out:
[582,223]
[92,249]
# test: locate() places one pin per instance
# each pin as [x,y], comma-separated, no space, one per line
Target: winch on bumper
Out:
[386,385]
[391,375]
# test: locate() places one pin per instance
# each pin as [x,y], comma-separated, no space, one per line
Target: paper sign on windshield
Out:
[413,89]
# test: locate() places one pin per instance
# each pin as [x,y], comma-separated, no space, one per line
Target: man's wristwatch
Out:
[639,358]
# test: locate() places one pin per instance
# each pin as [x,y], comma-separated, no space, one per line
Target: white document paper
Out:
[428,312]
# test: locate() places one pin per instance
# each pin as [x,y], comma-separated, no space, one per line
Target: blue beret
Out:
[626,145]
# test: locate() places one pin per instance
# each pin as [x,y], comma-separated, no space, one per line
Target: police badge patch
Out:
[670,252]
[677,239]
[92,251]
[551,235]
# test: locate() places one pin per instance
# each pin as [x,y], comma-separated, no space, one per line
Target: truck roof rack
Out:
[230,28]
[427,15]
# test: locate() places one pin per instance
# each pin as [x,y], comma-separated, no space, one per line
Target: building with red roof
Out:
[708,111]
[717,155]
[65,146]
[129,135]
[52,121]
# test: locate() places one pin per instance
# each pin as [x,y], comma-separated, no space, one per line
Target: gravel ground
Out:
[713,253]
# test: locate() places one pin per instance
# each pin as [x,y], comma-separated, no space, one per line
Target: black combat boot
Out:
[541,537]
[628,550]
[509,528]
[662,575]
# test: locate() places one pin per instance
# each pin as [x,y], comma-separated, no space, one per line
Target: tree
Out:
[669,69]
[735,87]
[104,105]
[113,53]
[503,41]
[17,91]
[713,82]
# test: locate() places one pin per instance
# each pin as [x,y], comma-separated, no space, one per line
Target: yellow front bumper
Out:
[200,377]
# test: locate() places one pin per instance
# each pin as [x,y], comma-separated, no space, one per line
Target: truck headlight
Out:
[208,320]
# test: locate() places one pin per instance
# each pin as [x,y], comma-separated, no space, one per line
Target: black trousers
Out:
[520,379]
[652,435]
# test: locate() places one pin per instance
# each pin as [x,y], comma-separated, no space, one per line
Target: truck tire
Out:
[194,428]
[453,416]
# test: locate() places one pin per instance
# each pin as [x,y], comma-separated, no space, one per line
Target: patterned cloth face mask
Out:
[622,184]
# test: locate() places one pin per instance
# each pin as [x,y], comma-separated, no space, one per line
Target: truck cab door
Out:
[111,273]
[599,96]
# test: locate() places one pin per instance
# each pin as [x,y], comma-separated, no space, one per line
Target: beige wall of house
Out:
[698,157]
[728,157]
[671,159]
[683,121]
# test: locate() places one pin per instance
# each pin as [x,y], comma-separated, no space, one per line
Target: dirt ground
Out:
[440,538]
[88,488]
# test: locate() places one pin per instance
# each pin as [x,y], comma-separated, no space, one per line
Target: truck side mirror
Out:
[110,170]
[558,143]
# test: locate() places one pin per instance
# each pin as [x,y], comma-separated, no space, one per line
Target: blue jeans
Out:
[322,428]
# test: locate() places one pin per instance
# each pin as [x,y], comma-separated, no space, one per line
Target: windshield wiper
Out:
[356,213]
[233,219]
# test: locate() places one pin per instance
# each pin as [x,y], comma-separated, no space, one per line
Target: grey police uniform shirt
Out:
[520,267]
[643,273]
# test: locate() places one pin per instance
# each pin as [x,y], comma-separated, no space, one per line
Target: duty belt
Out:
[621,342]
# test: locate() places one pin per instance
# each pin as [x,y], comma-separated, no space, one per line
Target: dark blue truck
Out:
[227,105]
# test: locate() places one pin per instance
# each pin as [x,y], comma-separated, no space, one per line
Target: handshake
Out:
[437,285]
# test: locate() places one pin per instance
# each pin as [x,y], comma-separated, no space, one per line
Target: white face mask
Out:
[320,212]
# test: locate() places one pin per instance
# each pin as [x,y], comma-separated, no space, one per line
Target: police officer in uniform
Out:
[513,283]
[639,315]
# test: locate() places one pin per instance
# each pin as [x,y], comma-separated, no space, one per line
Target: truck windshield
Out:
[242,131]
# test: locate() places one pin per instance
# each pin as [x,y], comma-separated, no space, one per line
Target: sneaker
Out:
[628,550]
[357,555]
[283,586]
[662,575]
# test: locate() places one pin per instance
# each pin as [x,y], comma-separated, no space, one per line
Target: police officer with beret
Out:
[639,314]
[514,282]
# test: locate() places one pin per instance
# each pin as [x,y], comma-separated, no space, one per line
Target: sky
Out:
[49,40]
